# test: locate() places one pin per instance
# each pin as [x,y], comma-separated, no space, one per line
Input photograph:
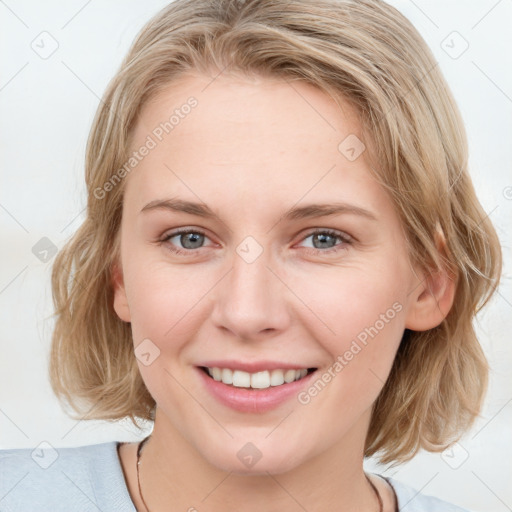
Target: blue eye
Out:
[190,240]
[323,240]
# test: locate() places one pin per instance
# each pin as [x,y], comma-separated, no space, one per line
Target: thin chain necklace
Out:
[143,442]
[139,449]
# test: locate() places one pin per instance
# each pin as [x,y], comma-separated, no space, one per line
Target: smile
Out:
[258,380]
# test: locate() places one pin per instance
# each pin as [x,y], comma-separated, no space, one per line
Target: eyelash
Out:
[345,239]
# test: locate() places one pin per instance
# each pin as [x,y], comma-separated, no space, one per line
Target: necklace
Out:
[139,449]
[143,442]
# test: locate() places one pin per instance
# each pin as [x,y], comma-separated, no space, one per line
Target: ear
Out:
[433,297]
[120,300]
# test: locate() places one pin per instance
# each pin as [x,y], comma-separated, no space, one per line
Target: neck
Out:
[173,472]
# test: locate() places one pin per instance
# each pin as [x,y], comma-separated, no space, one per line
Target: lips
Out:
[254,387]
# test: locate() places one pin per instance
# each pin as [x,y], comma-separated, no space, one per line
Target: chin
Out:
[248,458]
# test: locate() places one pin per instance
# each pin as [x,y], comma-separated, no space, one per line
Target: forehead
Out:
[253,106]
[256,138]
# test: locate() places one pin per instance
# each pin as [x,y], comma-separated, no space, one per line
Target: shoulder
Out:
[84,478]
[412,500]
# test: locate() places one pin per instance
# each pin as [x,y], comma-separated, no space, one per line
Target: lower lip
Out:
[253,400]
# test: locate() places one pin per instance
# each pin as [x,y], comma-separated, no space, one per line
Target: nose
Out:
[251,300]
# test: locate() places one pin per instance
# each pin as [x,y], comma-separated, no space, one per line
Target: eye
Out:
[189,239]
[324,241]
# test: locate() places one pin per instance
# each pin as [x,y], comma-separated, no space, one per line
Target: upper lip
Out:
[253,366]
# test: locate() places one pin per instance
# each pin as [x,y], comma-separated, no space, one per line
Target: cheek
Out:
[362,323]
[164,299]
[355,305]
[165,309]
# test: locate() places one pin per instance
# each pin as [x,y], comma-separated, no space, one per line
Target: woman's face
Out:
[294,259]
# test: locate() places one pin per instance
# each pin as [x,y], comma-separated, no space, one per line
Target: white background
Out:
[46,110]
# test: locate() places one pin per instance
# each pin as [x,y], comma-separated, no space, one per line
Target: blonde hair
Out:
[368,53]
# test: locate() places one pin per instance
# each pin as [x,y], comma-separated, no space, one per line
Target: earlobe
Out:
[120,299]
[433,297]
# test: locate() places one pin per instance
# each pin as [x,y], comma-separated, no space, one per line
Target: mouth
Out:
[260,380]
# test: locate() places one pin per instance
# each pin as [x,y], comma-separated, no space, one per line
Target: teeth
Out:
[258,380]
[227,376]
[276,378]
[241,379]
[289,376]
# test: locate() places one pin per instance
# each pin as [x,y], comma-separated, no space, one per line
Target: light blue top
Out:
[90,479]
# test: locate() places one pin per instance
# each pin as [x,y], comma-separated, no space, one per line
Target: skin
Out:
[250,150]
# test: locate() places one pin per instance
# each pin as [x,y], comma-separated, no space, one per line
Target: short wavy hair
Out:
[369,54]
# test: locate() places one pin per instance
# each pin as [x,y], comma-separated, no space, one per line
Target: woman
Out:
[282,257]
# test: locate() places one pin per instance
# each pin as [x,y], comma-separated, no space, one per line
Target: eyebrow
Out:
[295,213]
